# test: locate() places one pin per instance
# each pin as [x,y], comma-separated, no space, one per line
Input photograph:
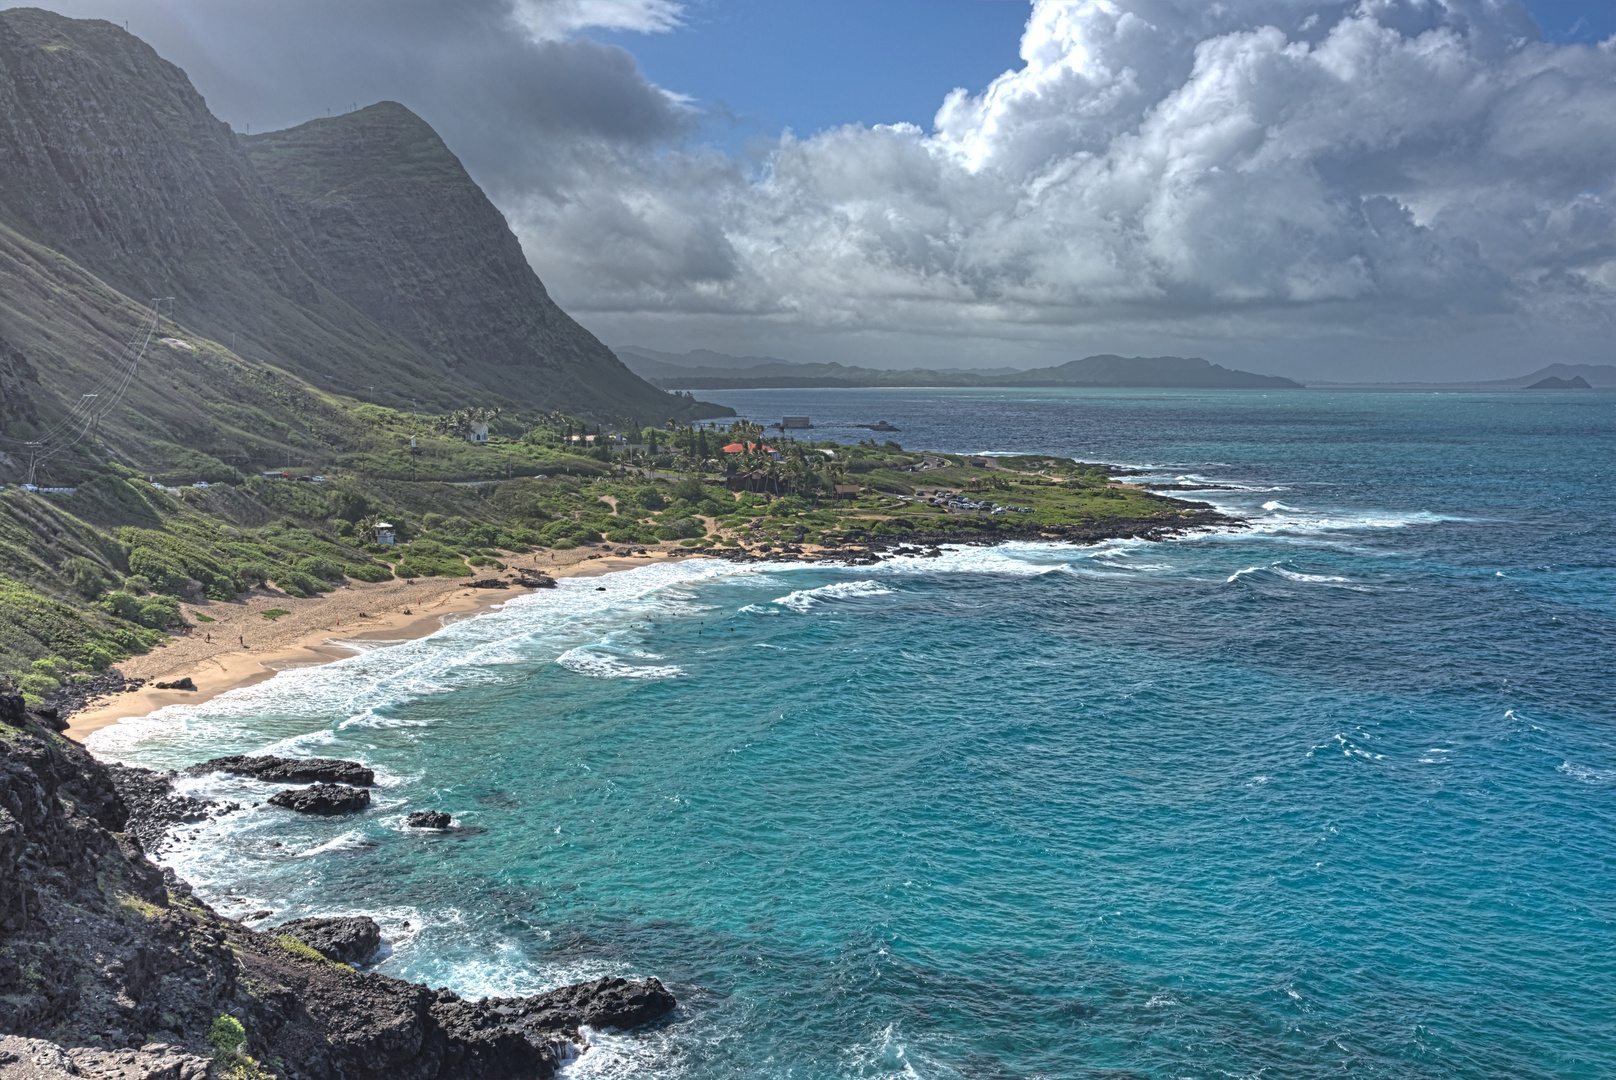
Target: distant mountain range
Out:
[703,369]
[1596,376]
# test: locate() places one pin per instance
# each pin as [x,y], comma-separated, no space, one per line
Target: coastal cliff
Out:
[108,970]
[348,253]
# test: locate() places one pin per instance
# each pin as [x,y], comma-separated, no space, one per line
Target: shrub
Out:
[253,573]
[86,576]
[682,529]
[42,686]
[154,612]
[650,497]
[689,490]
[370,572]
[566,543]
[791,504]
[350,506]
[296,583]
[321,567]
[229,1039]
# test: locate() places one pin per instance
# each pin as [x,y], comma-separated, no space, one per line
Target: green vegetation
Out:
[274,613]
[138,908]
[229,1039]
[300,950]
[92,577]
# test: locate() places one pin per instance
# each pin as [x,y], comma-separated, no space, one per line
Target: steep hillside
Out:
[117,185]
[403,234]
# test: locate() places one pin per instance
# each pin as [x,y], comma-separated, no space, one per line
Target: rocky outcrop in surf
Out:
[279,770]
[428,819]
[350,939]
[322,799]
[125,972]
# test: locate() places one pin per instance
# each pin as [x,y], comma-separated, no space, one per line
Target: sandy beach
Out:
[241,646]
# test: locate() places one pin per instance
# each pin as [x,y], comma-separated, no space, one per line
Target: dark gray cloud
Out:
[501,81]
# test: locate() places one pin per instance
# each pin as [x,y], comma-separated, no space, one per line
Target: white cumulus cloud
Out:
[1392,169]
[556,20]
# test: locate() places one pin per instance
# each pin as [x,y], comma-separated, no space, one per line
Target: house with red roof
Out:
[751,448]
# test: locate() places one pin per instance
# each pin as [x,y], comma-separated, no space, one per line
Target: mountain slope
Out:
[403,234]
[117,185]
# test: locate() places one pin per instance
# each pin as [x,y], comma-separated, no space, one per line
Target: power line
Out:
[96,403]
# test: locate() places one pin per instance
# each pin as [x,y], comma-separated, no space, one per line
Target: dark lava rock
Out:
[154,808]
[347,940]
[611,1002]
[322,799]
[279,770]
[536,581]
[79,695]
[13,710]
[177,684]
[49,716]
[428,819]
[489,583]
[104,952]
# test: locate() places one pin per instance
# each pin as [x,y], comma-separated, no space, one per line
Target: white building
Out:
[478,433]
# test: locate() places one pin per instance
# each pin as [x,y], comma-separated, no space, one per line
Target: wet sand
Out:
[241,647]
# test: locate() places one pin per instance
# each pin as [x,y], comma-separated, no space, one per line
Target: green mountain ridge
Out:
[345,254]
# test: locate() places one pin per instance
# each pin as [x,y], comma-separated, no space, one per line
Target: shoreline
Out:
[315,633]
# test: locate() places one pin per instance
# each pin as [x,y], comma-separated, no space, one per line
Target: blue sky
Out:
[764,65]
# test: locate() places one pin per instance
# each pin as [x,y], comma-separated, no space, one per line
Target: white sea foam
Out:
[353,840]
[603,665]
[1587,775]
[804,599]
[367,688]
[1318,578]
[1282,572]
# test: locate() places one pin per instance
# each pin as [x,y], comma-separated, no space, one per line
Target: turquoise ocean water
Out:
[1331,797]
